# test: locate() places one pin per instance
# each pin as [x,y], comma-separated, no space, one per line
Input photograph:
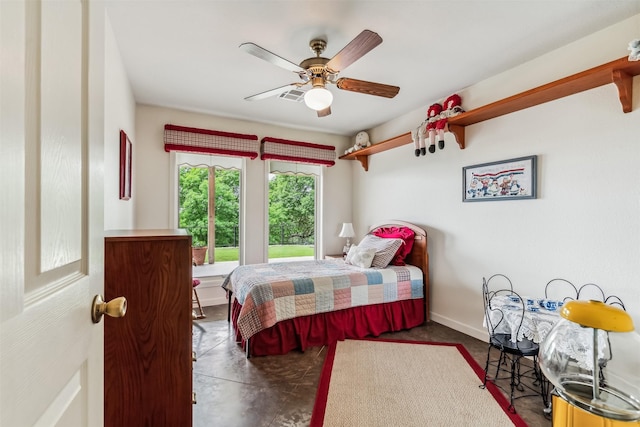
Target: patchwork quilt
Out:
[273,292]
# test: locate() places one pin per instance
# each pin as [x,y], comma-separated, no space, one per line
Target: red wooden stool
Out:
[199,314]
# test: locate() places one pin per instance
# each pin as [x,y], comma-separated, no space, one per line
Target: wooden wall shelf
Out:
[620,72]
[363,155]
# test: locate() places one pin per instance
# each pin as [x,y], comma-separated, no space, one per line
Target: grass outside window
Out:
[275,251]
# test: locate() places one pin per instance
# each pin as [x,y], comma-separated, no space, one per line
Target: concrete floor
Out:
[278,391]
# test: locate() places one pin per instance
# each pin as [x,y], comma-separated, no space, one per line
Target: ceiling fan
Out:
[319,71]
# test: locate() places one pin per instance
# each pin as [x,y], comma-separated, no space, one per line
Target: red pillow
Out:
[406,234]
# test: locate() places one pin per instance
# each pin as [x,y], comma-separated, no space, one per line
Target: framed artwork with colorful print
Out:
[512,179]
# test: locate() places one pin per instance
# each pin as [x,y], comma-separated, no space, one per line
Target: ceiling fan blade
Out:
[325,112]
[257,51]
[272,92]
[370,88]
[356,49]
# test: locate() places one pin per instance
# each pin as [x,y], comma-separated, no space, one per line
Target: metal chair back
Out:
[560,290]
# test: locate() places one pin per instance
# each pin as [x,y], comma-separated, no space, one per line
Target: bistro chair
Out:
[504,313]
[560,290]
[499,281]
[595,292]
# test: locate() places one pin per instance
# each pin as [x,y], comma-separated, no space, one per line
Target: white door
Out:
[51,210]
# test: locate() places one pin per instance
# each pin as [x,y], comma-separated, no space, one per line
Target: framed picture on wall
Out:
[125,166]
[511,179]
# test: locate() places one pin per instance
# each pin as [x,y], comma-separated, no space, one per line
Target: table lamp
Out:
[591,357]
[347,231]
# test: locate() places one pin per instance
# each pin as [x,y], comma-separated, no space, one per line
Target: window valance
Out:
[205,141]
[210,160]
[290,168]
[297,151]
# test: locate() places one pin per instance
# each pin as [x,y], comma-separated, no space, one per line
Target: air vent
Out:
[294,95]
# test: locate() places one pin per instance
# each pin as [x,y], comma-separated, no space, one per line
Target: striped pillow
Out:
[385,249]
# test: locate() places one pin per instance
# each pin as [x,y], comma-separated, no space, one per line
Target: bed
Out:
[279,307]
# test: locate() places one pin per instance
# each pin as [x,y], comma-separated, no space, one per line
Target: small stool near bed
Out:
[199,313]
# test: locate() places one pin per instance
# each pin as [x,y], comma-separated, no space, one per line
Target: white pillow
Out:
[360,257]
[385,249]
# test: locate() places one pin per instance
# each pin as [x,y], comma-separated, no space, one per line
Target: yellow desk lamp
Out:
[592,357]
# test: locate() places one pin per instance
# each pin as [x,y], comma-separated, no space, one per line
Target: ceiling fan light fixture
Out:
[318,98]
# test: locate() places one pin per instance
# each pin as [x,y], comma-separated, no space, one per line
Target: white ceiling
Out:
[184,53]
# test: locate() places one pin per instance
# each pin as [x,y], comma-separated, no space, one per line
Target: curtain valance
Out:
[205,141]
[291,168]
[297,151]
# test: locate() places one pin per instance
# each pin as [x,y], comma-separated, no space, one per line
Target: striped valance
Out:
[298,152]
[205,141]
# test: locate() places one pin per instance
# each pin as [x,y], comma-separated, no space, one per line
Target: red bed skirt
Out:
[321,329]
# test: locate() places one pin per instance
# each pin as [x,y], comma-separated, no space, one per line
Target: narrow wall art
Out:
[125,166]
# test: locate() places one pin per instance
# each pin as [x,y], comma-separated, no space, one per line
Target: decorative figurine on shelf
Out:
[433,116]
[451,108]
[418,136]
[634,47]
[362,141]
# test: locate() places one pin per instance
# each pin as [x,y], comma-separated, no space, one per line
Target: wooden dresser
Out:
[148,352]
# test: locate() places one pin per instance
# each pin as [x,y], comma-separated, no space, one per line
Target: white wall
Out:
[119,113]
[585,224]
[153,175]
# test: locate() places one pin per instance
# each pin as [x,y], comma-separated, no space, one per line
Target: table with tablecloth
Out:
[537,321]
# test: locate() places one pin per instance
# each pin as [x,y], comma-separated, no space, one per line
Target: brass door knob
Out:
[117,307]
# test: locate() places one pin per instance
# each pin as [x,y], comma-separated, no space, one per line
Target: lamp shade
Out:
[347,230]
[318,98]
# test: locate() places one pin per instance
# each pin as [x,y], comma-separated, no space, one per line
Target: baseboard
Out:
[480,334]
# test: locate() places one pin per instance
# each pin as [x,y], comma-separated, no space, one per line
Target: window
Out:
[209,206]
[292,211]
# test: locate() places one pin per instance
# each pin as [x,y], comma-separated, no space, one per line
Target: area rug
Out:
[406,383]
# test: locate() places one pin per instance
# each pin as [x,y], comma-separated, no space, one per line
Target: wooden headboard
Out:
[418,256]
